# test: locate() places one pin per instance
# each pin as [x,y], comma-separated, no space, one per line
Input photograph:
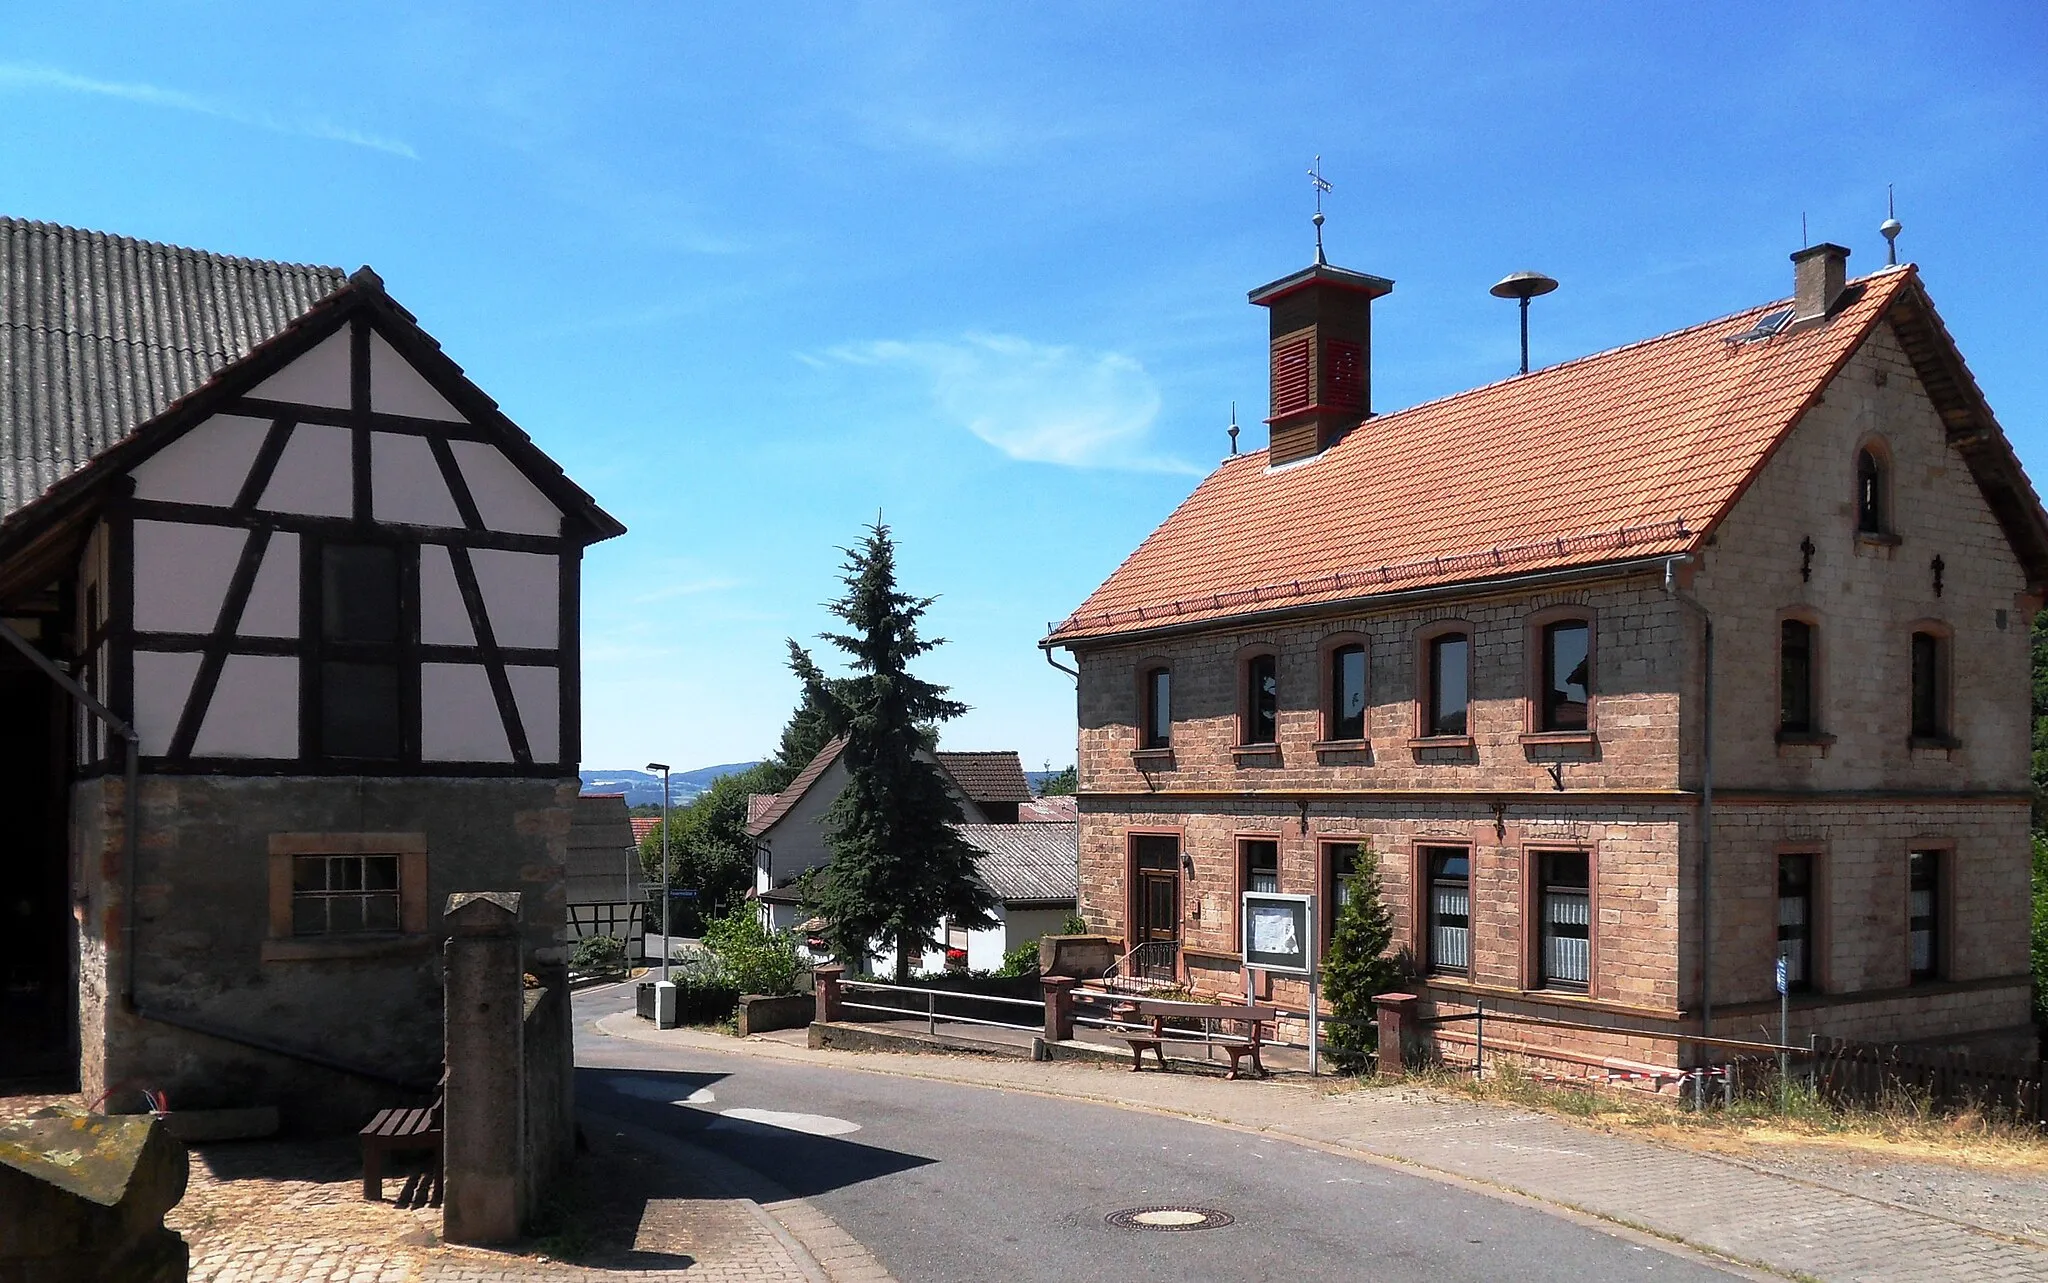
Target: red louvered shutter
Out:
[1345,381]
[1293,388]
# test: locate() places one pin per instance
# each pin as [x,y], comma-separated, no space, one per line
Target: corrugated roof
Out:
[99,334]
[1636,452]
[988,776]
[1027,861]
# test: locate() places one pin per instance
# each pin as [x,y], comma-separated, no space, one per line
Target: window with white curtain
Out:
[1566,920]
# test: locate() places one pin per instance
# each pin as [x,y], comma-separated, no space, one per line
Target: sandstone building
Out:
[294,620]
[1638,672]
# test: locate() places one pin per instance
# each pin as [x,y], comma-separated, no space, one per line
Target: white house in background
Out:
[1033,870]
[1029,866]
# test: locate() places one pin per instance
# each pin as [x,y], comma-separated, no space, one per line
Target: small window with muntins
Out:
[344,894]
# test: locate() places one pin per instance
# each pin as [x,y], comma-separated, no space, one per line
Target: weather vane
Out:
[1321,185]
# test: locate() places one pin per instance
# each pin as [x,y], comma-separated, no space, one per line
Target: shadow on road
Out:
[801,1162]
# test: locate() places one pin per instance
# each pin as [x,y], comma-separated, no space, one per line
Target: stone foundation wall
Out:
[207,950]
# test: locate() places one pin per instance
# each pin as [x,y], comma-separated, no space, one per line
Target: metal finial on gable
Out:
[1890,228]
[1321,185]
[1233,427]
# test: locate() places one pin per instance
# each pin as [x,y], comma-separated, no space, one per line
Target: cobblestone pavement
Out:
[1836,1218]
[644,1207]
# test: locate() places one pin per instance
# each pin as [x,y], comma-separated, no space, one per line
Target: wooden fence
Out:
[1872,1074]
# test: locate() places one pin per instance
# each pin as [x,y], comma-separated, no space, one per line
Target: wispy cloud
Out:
[685,588]
[28,77]
[1037,402]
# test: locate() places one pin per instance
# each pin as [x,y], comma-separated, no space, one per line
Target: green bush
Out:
[701,1001]
[1075,925]
[1020,961]
[602,955]
[750,957]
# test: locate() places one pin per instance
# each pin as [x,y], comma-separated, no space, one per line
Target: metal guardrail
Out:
[932,1015]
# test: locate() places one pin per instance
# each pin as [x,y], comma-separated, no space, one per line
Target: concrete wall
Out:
[205,945]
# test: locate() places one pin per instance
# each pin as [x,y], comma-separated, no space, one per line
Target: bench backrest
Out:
[1206,1010]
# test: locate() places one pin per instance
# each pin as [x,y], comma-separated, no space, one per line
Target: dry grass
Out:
[1901,1128]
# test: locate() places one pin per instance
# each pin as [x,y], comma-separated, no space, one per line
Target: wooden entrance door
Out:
[1155,917]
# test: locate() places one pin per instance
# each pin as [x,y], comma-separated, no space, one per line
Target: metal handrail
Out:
[943,993]
[931,1005]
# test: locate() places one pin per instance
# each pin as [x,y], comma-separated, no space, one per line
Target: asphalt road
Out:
[954,1184]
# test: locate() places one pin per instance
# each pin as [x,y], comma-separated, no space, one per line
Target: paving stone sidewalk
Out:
[665,1212]
[1740,1209]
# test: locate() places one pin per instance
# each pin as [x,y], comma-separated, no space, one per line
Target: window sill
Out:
[1256,753]
[1804,744]
[1341,752]
[1934,748]
[1461,743]
[1537,739]
[332,948]
[1152,759]
[1877,539]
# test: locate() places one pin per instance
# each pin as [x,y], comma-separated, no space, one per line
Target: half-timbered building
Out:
[1644,675]
[296,610]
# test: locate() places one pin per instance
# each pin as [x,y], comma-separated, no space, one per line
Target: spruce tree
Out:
[898,868]
[1359,966]
[809,727]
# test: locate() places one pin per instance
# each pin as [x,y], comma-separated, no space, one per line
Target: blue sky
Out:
[756,273]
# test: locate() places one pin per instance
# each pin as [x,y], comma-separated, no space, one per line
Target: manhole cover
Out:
[1170,1218]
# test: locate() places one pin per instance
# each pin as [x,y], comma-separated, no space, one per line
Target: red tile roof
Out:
[1057,809]
[988,777]
[772,814]
[1635,452]
[643,825]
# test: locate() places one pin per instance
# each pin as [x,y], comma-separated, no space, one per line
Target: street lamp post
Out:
[665,897]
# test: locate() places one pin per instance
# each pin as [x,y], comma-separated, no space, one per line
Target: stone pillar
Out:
[1059,1008]
[483,1137]
[825,980]
[84,1197]
[1398,1028]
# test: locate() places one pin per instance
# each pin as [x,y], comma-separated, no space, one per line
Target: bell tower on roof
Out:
[1320,322]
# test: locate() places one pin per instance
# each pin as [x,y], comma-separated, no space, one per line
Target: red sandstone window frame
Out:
[1873,520]
[1532,978]
[1536,659]
[1419,904]
[1326,885]
[1944,734]
[1142,723]
[1944,851]
[1816,678]
[1246,657]
[1240,880]
[1424,641]
[1326,665]
[1817,921]
[411,850]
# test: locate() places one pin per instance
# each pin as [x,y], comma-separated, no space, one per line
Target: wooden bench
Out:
[393,1130]
[1253,1018]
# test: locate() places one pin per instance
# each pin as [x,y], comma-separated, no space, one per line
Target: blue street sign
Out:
[680,894]
[1784,985]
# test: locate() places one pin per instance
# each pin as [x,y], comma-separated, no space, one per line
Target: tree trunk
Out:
[903,959]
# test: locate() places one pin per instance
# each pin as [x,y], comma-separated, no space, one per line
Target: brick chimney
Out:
[1819,274]
[1320,319]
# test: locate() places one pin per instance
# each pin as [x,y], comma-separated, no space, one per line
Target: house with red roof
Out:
[1642,674]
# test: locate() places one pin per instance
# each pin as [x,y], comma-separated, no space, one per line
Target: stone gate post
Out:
[483,1120]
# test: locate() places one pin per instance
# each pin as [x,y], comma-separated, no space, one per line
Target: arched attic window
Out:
[1871,497]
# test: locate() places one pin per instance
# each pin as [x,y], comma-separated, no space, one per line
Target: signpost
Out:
[1279,935]
[1784,1025]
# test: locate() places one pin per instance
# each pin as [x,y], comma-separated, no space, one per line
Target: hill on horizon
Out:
[643,788]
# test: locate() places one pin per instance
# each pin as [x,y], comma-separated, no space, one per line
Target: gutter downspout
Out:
[1071,672]
[131,826]
[1706,794]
